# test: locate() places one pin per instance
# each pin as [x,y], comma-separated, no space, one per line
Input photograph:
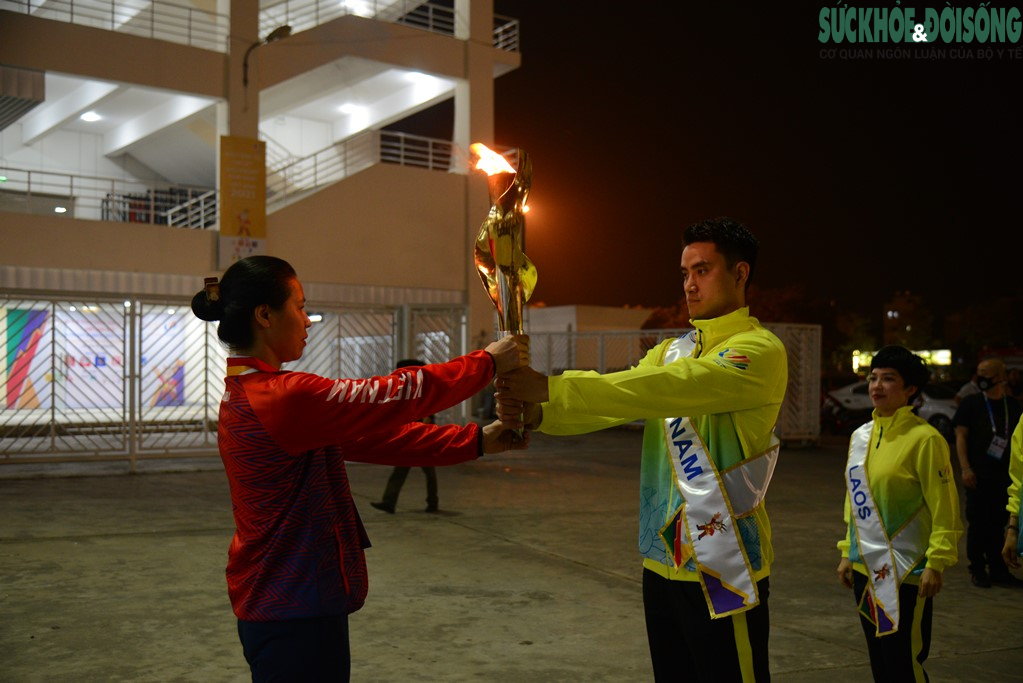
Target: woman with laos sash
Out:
[902,516]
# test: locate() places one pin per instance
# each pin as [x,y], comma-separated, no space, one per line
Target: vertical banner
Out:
[27,370]
[91,339]
[163,360]
[242,198]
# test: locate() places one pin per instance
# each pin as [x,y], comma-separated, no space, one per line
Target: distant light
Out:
[171,311]
[357,7]
[59,209]
[315,318]
[127,304]
[90,116]
[3,179]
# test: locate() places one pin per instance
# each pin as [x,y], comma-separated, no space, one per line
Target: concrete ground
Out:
[530,573]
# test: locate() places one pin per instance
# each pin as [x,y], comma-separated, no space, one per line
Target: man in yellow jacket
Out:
[902,517]
[710,400]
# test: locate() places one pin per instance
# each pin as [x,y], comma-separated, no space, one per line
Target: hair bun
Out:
[204,309]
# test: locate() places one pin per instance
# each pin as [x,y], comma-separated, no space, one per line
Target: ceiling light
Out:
[90,116]
[59,209]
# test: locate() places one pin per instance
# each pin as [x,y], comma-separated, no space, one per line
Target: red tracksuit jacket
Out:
[298,551]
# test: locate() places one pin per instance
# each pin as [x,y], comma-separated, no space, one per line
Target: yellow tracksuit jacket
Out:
[731,389]
[908,470]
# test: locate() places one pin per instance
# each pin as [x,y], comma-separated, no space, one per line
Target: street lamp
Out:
[276,34]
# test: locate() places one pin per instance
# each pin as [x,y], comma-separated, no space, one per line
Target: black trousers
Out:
[397,480]
[986,518]
[297,650]
[687,645]
[898,657]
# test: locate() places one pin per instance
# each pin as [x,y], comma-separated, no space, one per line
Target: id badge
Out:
[997,448]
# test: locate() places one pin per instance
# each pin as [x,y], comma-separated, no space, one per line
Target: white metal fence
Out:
[799,418]
[87,378]
[102,379]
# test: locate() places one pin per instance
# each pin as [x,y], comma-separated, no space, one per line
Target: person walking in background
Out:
[984,421]
[710,400]
[296,566]
[399,474]
[902,518]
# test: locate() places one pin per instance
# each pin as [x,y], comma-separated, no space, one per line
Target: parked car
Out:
[846,408]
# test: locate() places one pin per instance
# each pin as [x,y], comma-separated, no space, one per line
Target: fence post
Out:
[53,370]
[133,311]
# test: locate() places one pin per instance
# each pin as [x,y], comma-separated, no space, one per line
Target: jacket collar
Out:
[241,365]
[714,330]
[898,416]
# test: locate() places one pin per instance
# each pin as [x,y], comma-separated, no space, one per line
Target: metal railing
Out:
[506,33]
[182,24]
[106,199]
[302,15]
[127,201]
[340,160]
[197,212]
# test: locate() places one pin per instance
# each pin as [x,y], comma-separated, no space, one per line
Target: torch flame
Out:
[489,161]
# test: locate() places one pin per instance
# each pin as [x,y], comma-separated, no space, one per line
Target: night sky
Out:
[860,176]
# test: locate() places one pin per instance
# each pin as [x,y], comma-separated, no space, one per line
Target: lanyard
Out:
[991,414]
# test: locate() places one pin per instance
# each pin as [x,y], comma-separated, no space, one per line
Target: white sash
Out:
[888,561]
[711,504]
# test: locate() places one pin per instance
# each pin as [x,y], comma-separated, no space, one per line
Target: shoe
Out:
[1006,579]
[980,579]
[432,508]
[389,509]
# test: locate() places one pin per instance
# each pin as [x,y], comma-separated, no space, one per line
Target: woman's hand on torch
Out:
[501,436]
[509,353]
[524,384]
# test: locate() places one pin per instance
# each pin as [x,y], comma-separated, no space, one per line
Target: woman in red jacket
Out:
[296,566]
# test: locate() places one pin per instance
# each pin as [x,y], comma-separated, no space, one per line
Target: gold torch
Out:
[507,273]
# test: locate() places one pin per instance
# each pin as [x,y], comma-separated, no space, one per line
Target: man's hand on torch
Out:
[519,414]
[499,436]
[509,353]
[523,384]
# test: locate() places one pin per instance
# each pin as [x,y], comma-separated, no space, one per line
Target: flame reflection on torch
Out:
[507,273]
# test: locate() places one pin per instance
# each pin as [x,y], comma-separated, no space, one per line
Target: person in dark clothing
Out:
[400,474]
[984,423]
